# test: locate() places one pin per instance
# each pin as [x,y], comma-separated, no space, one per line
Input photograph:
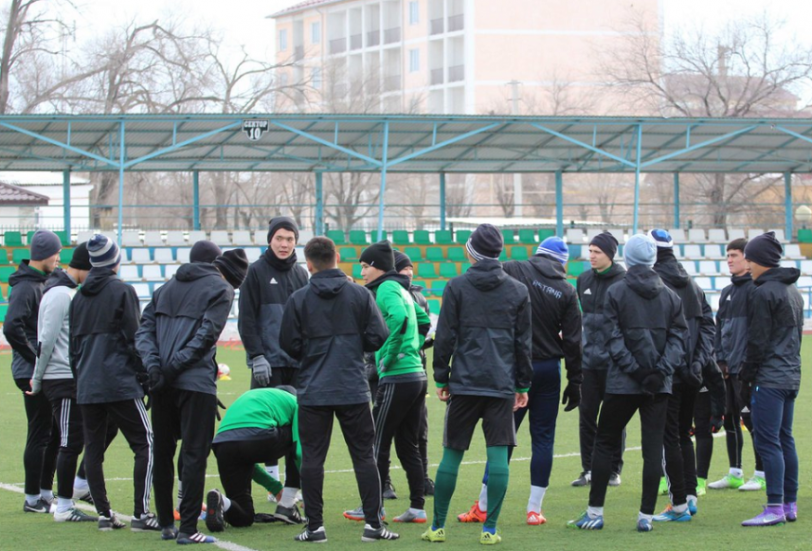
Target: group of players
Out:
[635,339]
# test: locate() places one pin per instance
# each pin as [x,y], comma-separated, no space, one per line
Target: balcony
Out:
[456,73]
[356,41]
[338,45]
[436,26]
[456,22]
[391,83]
[373,38]
[436,76]
[391,35]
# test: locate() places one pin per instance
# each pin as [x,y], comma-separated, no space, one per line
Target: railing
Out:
[356,41]
[437,76]
[436,26]
[456,23]
[391,83]
[373,38]
[338,45]
[456,73]
[391,35]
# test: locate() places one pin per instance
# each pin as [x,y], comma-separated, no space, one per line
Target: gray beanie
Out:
[640,250]
[44,244]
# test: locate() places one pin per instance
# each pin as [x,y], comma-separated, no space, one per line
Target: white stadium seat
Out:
[152,273]
[793,250]
[164,256]
[618,234]
[724,269]
[708,268]
[697,235]
[678,235]
[183,255]
[253,254]
[693,251]
[690,267]
[717,235]
[175,239]
[153,239]
[242,238]
[754,232]
[140,256]
[713,300]
[129,273]
[789,264]
[196,235]
[804,282]
[130,239]
[304,237]
[736,233]
[779,234]
[84,236]
[169,270]
[806,267]
[261,237]
[575,235]
[705,283]
[220,237]
[142,290]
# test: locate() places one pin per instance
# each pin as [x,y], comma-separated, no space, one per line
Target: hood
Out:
[97,279]
[59,278]
[613,270]
[670,270]
[741,280]
[26,273]
[328,283]
[196,270]
[548,267]
[486,274]
[787,276]
[391,275]
[644,281]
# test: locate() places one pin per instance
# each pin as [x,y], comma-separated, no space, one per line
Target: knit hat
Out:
[765,250]
[282,223]
[554,247]
[662,238]
[103,252]
[607,243]
[379,255]
[81,258]
[44,244]
[640,250]
[402,261]
[204,251]
[233,265]
[485,242]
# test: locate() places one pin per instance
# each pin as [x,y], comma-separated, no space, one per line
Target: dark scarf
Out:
[277,263]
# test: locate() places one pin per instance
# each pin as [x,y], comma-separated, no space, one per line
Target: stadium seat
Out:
[591,233]
[358,237]
[421,237]
[448,270]
[804,235]
[519,252]
[415,254]
[618,234]
[5,272]
[425,270]
[713,300]
[435,254]
[28,236]
[462,236]
[708,268]
[182,255]
[130,239]
[164,256]
[64,238]
[400,237]
[678,235]
[261,237]
[84,236]
[806,267]
[544,233]
[575,268]
[438,286]
[356,271]
[142,290]
[13,239]
[715,250]
[197,235]
[442,237]
[754,232]
[457,254]
[793,250]
[705,283]
[220,237]
[693,252]
[574,235]
[253,254]
[373,236]
[4,310]
[724,269]
[129,273]
[152,273]
[779,234]
[242,238]
[19,255]
[153,239]
[175,239]
[690,267]
[337,236]
[789,264]
[419,283]
[527,236]
[4,256]
[348,254]
[804,282]
[170,270]
[434,306]
[697,235]
[503,256]
[140,256]
[509,236]
[717,235]
[65,256]
[736,233]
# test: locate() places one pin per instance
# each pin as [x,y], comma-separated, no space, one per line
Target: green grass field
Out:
[715,527]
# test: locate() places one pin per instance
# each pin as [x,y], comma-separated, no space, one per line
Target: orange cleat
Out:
[176,514]
[473,515]
[535,519]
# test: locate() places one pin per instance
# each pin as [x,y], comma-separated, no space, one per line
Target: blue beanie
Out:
[103,252]
[640,250]
[662,238]
[556,248]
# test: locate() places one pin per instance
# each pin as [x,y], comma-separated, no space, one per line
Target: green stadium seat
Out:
[4,309]
[462,236]
[443,237]
[519,252]
[464,267]
[337,236]
[13,239]
[435,254]
[420,283]
[415,254]
[20,255]
[29,235]
[434,306]
[804,236]
[356,271]
[421,237]
[448,270]
[544,233]
[438,286]
[575,250]
[65,256]
[400,237]
[575,268]
[509,236]
[373,236]
[457,254]
[3,256]
[5,272]
[64,238]
[503,257]
[425,270]
[348,254]
[527,236]
[358,237]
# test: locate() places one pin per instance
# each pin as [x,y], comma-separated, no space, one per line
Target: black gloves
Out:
[653,382]
[692,376]
[748,372]
[747,395]
[716,424]
[157,381]
[571,397]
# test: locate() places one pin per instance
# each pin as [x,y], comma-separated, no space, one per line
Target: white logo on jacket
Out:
[588,292]
[273,281]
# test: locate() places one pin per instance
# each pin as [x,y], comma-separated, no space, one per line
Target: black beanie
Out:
[282,223]
[81,258]
[204,251]
[765,250]
[233,265]
[379,255]
[606,242]
[402,261]
[485,242]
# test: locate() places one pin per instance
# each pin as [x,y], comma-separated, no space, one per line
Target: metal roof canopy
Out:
[438,144]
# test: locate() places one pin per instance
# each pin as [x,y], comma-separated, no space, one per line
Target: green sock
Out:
[498,475]
[444,484]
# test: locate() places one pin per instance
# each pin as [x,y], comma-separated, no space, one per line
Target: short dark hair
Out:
[321,252]
[737,244]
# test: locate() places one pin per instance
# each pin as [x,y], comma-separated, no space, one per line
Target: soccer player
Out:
[680,461]
[260,426]
[177,342]
[647,336]
[104,317]
[771,374]
[328,326]
[592,286]
[20,330]
[556,335]
[486,325]
[731,344]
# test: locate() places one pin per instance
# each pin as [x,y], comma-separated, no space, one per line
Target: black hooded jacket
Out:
[556,316]
[181,325]
[731,322]
[328,326]
[104,318]
[486,325]
[20,326]
[263,295]
[592,287]
[647,331]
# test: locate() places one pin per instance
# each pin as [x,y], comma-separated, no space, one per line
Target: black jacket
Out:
[556,315]
[647,330]
[328,326]
[486,325]
[104,318]
[20,327]
[181,325]
[695,308]
[775,325]
[592,287]
[263,295]
[731,322]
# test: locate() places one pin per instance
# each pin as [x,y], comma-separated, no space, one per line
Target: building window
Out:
[316,78]
[283,40]
[315,32]
[414,60]
[414,13]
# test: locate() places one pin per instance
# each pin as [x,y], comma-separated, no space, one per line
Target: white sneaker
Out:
[755,484]
[728,481]
[271,498]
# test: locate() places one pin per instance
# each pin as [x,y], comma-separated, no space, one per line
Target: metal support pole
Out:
[788,205]
[319,204]
[636,216]
[442,201]
[559,204]
[196,200]
[676,199]
[121,181]
[66,201]
[381,201]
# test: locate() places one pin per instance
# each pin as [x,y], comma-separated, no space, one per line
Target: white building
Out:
[50,216]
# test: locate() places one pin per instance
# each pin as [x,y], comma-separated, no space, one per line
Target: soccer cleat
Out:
[644,525]
[585,522]
[74,515]
[428,487]
[41,506]
[791,511]
[147,523]
[376,534]
[264,518]
[197,537]
[755,484]
[83,495]
[728,481]
[692,506]
[176,514]
[701,486]
[106,524]
[670,515]
[486,538]
[288,515]
[312,536]
[772,515]
[535,519]
[271,498]
[409,516]
[583,479]
[434,535]
[388,491]
[663,490]
[474,514]
[169,533]
[614,480]
[215,521]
